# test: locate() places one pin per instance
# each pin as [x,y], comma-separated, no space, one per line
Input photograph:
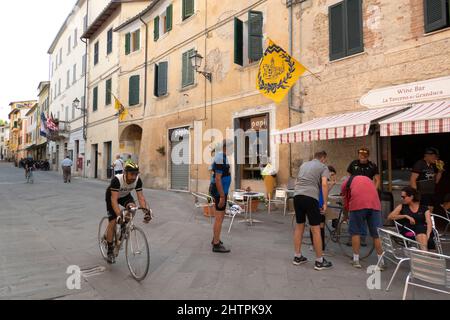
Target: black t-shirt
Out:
[425,172]
[418,216]
[369,169]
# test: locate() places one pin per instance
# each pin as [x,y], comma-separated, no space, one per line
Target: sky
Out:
[27,29]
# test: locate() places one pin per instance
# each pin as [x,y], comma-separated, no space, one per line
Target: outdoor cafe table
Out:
[248,196]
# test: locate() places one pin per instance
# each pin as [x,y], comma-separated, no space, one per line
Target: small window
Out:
[60,56]
[188,8]
[109,48]
[74,73]
[68,79]
[75,38]
[160,87]
[134,91]
[95,99]
[69,45]
[346,29]
[85,23]
[248,39]
[108,89]
[436,14]
[132,41]
[187,71]
[96,52]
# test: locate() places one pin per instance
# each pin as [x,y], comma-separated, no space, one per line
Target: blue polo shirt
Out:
[221,166]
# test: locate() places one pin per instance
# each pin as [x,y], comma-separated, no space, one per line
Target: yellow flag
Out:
[122,111]
[278,72]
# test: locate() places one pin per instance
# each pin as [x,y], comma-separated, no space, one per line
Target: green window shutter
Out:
[169,17]
[255,35]
[337,31]
[95,99]
[138,39]
[162,79]
[238,42]
[354,27]
[188,8]
[108,96]
[435,14]
[187,72]
[156,29]
[155,85]
[133,91]
[127,43]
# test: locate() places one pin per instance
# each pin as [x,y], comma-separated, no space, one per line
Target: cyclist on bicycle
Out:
[119,193]
[28,165]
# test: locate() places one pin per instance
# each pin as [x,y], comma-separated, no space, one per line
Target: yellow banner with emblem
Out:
[122,111]
[278,72]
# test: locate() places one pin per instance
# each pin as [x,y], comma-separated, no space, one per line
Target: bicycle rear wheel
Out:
[103,244]
[137,253]
[345,242]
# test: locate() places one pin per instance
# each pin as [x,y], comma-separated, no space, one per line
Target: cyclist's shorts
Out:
[122,201]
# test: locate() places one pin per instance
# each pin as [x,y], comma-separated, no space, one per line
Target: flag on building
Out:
[51,125]
[278,72]
[43,125]
[122,112]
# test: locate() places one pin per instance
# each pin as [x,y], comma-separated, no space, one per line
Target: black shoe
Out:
[299,260]
[323,265]
[111,259]
[220,248]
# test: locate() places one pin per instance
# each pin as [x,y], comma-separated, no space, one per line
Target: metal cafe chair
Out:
[280,197]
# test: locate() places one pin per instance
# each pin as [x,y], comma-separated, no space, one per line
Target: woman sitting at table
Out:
[415,217]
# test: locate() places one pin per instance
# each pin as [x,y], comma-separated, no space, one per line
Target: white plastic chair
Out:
[202,200]
[428,271]
[395,254]
[232,211]
[280,197]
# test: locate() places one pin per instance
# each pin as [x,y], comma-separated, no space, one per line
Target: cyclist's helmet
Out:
[131,167]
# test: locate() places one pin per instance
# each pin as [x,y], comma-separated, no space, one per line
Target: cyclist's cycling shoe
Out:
[111,259]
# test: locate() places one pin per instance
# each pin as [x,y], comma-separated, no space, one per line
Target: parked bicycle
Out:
[137,250]
[336,230]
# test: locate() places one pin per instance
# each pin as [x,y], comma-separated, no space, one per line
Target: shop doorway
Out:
[179,159]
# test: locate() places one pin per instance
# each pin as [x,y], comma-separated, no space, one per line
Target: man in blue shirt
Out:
[66,165]
[220,186]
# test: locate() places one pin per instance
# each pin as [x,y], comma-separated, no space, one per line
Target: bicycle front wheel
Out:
[345,242]
[137,253]
[102,243]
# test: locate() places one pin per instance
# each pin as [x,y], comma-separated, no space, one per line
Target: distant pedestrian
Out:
[312,175]
[363,203]
[66,165]
[118,165]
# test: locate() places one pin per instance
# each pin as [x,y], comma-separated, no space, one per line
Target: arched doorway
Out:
[130,142]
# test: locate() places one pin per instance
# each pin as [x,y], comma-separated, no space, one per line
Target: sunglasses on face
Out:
[404,197]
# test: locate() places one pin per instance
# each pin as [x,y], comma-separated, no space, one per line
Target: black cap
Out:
[432,151]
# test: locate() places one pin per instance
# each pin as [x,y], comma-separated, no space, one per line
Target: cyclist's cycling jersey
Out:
[119,185]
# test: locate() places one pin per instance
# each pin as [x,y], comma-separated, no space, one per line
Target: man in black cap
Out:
[364,167]
[425,174]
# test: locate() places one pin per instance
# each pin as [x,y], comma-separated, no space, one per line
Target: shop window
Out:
[256,145]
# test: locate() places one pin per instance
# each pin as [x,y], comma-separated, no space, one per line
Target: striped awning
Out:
[344,125]
[430,117]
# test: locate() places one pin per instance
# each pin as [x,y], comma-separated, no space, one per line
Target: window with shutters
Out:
[95,99]
[436,15]
[134,91]
[75,38]
[345,28]
[109,46]
[248,39]
[161,76]
[96,52]
[68,79]
[74,73]
[69,45]
[188,9]
[188,75]
[163,22]
[108,88]
[132,41]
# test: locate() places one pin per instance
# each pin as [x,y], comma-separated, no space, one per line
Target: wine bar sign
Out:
[415,92]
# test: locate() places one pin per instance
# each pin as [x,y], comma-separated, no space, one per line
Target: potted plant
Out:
[161,150]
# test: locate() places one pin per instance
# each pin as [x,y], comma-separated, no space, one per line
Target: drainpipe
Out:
[145,64]
[290,91]
[85,41]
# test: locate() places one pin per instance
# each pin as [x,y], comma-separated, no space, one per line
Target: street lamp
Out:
[196,62]
[76,105]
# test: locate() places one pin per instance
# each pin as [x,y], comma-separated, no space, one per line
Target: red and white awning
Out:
[347,125]
[431,117]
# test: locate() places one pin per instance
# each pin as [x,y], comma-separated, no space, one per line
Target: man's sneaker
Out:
[212,242]
[323,265]
[355,264]
[220,248]
[299,260]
